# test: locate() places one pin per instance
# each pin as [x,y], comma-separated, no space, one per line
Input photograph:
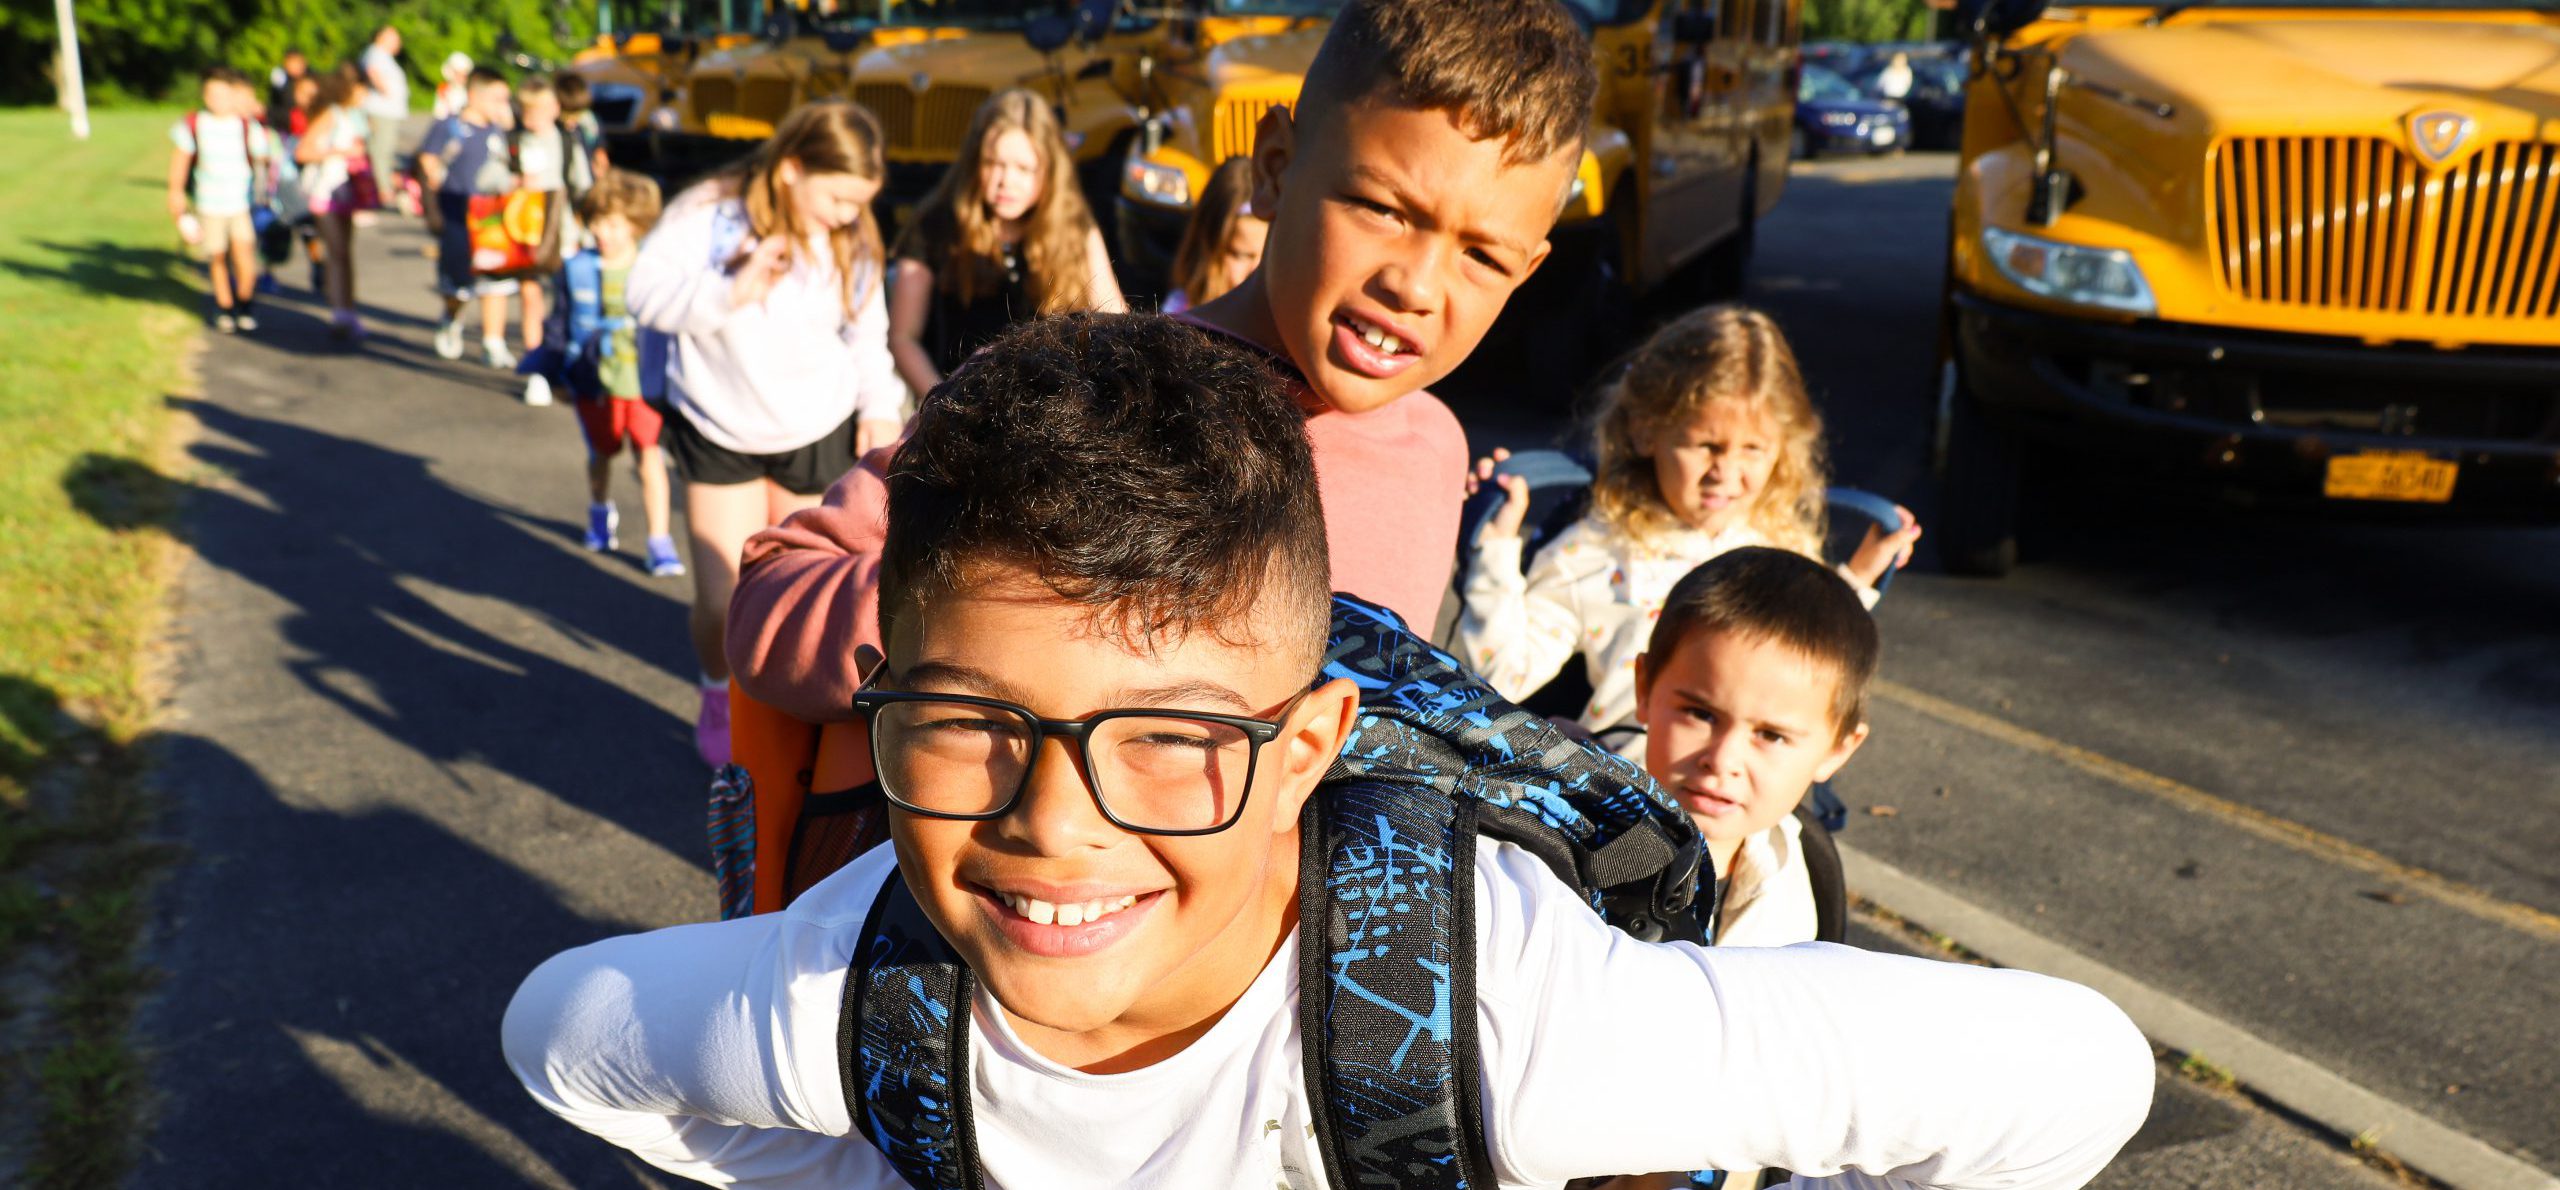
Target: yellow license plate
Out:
[2390,475]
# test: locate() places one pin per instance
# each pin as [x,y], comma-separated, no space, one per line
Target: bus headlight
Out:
[2102,277]
[1162,184]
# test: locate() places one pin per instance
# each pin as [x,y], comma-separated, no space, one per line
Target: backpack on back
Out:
[1387,924]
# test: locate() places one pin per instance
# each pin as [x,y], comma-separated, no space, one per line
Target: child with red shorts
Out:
[599,363]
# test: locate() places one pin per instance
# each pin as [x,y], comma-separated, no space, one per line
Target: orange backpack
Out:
[795,803]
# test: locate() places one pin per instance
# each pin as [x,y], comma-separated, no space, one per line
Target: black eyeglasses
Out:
[1153,772]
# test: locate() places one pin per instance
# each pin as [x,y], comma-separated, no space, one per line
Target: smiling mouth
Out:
[1073,913]
[1377,338]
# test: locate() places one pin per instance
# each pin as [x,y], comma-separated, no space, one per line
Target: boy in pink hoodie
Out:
[1409,193]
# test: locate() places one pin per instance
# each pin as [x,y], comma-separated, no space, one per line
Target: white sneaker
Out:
[495,351]
[449,340]
[537,390]
[247,321]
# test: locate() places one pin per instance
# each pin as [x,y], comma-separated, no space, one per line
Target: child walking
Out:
[767,280]
[464,156]
[1708,443]
[334,152]
[1005,236]
[596,357]
[216,171]
[1222,244]
[548,158]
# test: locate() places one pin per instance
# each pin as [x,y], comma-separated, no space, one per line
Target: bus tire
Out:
[1979,483]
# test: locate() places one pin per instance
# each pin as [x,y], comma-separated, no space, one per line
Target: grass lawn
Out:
[97,329]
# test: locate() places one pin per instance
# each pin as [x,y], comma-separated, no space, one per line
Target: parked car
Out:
[1834,116]
[1936,99]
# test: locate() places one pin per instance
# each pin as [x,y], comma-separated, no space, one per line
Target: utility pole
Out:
[74,98]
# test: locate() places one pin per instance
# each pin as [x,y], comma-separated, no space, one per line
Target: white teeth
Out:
[1374,337]
[1073,914]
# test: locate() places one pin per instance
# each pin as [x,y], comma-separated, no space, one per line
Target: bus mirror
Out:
[1998,18]
[782,26]
[1691,27]
[1049,32]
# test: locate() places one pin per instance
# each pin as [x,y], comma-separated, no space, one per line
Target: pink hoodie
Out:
[1393,481]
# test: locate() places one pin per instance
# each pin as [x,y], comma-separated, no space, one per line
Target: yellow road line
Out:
[2452,893]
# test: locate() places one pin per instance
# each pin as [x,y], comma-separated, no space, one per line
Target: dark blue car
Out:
[1833,116]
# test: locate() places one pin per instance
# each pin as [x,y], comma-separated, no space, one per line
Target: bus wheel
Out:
[1978,482]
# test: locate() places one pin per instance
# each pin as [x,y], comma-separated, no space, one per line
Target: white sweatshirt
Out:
[1591,591]
[773,377]
[710,1051]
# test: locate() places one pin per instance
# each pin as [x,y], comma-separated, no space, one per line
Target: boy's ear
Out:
[1275,145]
[866,660]
[1309,742]
[1644,683]
[1840,753]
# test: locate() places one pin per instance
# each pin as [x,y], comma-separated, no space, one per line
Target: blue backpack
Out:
[1387,924]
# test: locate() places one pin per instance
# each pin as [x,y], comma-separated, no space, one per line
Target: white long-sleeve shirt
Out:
[774,376]
[710,1051]
[1591,590]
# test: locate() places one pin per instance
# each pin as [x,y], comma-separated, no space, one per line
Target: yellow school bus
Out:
[1687,150]
[2296,253]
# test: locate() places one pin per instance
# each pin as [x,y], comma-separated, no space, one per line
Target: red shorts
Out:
[609,420]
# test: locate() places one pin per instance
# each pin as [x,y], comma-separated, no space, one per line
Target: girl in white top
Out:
[337,138]
[766,280]
[1707,443]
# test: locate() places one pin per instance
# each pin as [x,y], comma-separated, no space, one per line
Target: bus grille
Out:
[895,106]
[713,96]
[1232,135]
[766,99]
[2355,223]
[942,117]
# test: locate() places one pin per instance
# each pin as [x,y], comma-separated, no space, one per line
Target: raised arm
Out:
[1852,1069]
[674,286]
[808,592]
[1103,285]
[1517,631]
[703,1050]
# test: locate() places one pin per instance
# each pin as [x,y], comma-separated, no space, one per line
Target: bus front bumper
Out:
[2275,418]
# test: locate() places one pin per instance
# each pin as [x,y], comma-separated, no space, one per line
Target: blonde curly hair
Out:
[1717,354]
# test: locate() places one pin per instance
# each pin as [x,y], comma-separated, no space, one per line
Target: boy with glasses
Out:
[1105,699]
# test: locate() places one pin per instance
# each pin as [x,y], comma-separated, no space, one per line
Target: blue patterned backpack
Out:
[1387,924]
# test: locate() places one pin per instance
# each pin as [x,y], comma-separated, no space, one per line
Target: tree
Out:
[153,49]
[1867,20]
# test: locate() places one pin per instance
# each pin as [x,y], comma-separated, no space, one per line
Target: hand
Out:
[1515,505]
[177,204]
[756,274]
[1883,551]
[869,436]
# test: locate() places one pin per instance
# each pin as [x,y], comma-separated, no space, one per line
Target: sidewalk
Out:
[421,741]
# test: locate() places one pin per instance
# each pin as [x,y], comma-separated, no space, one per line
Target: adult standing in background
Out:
[386,104]
[281,105]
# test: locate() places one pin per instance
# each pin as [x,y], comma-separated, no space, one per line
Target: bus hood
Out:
[2243,75]
[1263,65]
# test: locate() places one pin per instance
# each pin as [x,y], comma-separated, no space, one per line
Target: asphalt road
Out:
[420,741]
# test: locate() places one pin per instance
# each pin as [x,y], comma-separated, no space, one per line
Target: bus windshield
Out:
[963,14]
[1278,8]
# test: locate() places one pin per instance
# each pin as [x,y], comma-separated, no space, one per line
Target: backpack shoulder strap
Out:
[1822,870]
[1386,993]
[902,1045]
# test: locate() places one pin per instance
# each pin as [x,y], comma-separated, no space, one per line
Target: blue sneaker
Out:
[602,521]
[663,562]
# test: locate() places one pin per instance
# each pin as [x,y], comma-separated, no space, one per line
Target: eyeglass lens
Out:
[1153,772]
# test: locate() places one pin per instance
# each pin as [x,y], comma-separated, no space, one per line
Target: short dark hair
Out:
[1517,70]
[574,95]
[1781,596]
[1133,464]
[482,76]
[225,74]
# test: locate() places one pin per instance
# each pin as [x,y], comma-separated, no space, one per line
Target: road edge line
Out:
[2297,1083]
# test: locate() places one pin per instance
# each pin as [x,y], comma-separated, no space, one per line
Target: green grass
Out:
[97,332]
